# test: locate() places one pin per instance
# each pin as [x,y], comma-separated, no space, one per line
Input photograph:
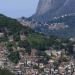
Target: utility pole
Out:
[39,57]
[25,64]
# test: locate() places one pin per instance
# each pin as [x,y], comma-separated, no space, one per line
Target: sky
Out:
[18,8]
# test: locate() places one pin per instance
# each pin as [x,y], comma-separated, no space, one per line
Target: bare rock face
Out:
[48,9]
[43,6]
[46,5]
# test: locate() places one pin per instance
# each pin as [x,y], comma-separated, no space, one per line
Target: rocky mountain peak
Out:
[46,5]
[48,9]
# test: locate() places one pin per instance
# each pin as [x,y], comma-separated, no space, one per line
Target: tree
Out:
[5,72]
[14,57]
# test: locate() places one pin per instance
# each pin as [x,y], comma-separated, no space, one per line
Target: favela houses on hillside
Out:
[37,37]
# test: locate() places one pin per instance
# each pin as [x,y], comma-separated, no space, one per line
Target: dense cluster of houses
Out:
[56,26]
[38,65]
[54,62]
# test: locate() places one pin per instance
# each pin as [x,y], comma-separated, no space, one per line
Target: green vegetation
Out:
[14,57]
[12,26]
[37,41]
[33,39]
[5,72]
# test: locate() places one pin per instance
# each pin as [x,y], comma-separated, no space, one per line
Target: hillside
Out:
[63,26]
[14,30]
[12,26]
[68,20]
[5,72]
[48,9]
[17,37]
[9,24]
